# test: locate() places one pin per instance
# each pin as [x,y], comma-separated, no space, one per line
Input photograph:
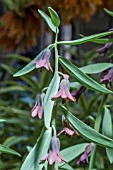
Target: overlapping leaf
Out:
[32,162]
[48,103]
[86,131]
[81,77]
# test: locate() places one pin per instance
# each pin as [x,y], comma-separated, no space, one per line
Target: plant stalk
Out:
[97,128]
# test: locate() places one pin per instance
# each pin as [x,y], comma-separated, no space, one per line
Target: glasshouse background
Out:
[23,35]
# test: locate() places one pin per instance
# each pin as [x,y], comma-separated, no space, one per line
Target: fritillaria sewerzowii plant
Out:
[46,153]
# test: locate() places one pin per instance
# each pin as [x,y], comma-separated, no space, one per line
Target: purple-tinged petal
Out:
[52,157]
[103,50]
[40,112]
[68,131]
[34,110]
[45,158]
[60,158]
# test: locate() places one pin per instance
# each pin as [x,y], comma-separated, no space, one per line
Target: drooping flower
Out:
[84,157]
[103,50]
[39,106]
[76,94]
[54,154]
[67,128]
[108,78]
[64,89]
[44,60]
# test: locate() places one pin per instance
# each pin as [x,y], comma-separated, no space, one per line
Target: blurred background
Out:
[23,34]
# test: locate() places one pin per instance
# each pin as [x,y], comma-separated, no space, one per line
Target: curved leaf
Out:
[54,17]
[107,131]
[82,78]
[48,103]
[96,68]
[85,39]
[48,20]
[86,131]
[108,12]
[4,149]
[32,162]
[29,67]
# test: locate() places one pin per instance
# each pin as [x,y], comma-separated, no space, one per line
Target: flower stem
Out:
[97,128]
[56,53]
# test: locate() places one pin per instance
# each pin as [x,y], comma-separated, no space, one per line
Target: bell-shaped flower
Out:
[64,89]
[76,94]
[67,128]
[103,50]
[54,154]
[108,78]
[84,157]
[44,60]
[38,108]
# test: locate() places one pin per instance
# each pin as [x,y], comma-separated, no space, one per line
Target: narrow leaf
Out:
[65,167]
[85,39]
[32,162]
[48,103]
[86,131]
[47,20]
[81,77]
[29,67]
[4,149]
[54,17]
[108,12]
[107,131]
[95,68]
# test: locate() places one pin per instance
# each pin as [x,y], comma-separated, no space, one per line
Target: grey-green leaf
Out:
[47,20]
[32,162]
[4,149]
[54,17]
[86,131]
[107,131]
[29,67]
[85,39]
[65,167]
[48,103]
[95,68]
[81,77]
[108,12]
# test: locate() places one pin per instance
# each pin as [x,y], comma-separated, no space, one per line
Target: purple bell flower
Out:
[54,154]
[64,89]
[108,78]
[44,60]
[39,106]
[84,157]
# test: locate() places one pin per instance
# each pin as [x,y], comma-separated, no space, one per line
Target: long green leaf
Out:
[14,88]
[47,20]
[95,68]
[100,41]
[85,39]
[81,77]
[29,67]
[12,140]
[107,131]
[65,167]
[4,149]
[86,131]
[32,162]
[48,103]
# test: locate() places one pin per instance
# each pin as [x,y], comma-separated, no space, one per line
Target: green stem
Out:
[97,128]
[56,53]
